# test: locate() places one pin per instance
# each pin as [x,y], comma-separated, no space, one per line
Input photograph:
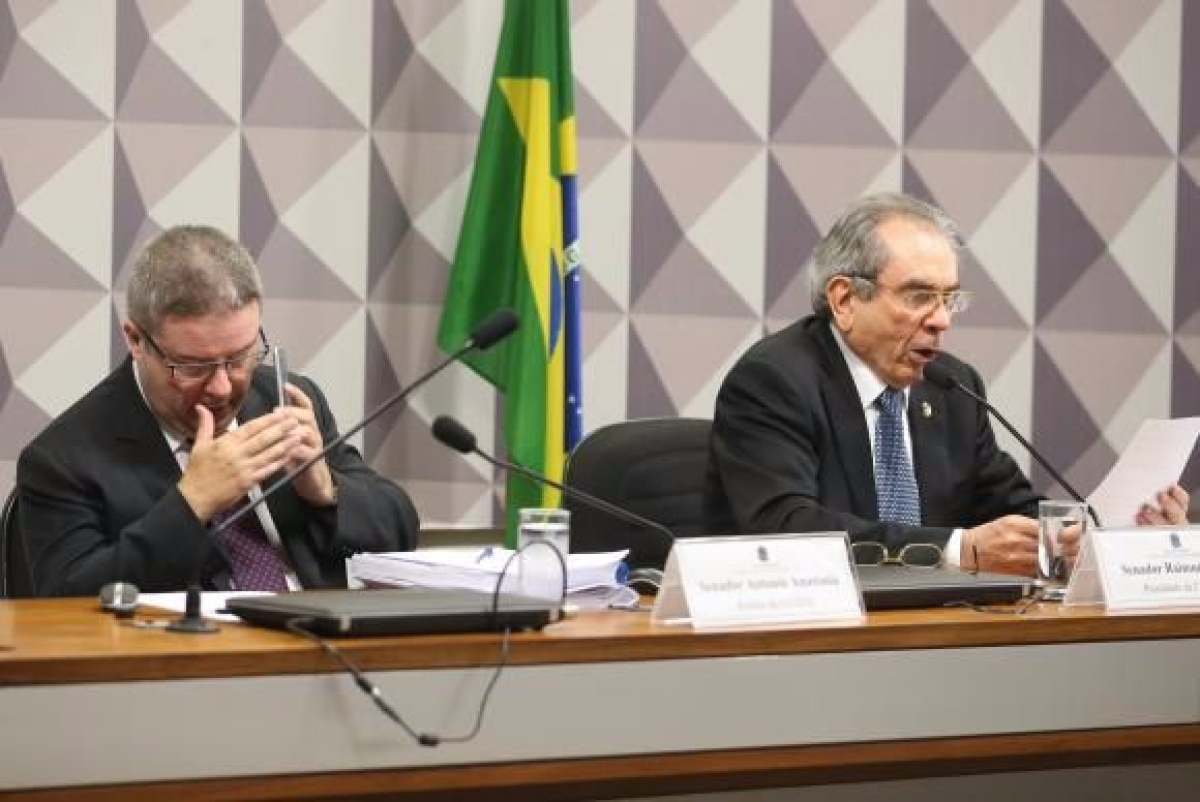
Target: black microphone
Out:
[494,328]
[938,374]
[449,432]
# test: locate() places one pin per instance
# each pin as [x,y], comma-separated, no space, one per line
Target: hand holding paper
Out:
[1152,463]
[1172,508]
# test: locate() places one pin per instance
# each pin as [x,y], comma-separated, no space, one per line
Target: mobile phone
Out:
[280,359]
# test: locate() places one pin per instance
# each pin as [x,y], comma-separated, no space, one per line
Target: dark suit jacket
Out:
[99,500]
[790,450]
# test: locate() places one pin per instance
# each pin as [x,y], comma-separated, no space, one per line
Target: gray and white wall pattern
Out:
[717,140]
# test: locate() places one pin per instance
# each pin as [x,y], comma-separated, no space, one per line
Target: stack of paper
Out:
[593,580]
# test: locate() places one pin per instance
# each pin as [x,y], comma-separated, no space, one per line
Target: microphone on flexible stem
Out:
[494,328]
[449,432]
[938,374]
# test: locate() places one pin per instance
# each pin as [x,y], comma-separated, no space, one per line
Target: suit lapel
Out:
[848,425]
[927,428]
[138,434]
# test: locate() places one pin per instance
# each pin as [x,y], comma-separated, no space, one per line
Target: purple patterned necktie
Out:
[253,562]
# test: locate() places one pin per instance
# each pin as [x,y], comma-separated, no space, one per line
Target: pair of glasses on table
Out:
[913,555]
[927,556]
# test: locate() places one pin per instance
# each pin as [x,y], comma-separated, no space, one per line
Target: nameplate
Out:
[762,579]
[1146,568]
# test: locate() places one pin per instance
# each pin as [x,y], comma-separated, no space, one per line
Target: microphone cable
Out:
[364,683]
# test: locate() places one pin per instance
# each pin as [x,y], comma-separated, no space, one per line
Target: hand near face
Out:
[1172,508]
[222,469]
[1007,545]
[316,484]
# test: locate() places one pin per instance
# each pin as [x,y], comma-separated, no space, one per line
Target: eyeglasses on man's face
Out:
[923,300]
[914,555]
[201,372]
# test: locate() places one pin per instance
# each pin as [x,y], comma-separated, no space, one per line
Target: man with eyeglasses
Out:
[828,426]
[125,484]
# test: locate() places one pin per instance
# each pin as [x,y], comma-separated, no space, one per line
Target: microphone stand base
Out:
[192,626]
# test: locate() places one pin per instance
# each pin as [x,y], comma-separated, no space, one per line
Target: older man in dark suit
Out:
[827,424]
[125,484]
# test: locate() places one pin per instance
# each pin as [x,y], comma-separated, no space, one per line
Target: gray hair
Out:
[188,271]
[853,248]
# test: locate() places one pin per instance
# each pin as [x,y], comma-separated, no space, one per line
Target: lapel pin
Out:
[926,410]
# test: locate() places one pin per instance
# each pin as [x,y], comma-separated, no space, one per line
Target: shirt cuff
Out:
[953,552]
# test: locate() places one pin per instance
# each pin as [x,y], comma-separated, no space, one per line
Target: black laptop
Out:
[891,587]
[395,611]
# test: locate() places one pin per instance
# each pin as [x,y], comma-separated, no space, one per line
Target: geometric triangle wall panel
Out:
[717,141]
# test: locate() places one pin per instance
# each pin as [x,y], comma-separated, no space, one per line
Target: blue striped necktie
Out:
[895,482]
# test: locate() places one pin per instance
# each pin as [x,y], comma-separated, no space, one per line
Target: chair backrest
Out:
[15,580]
[654,467]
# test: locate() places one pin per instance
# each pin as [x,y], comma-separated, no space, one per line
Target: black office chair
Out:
[15,579]
[653,467]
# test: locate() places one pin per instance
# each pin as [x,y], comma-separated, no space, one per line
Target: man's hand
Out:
[1172,508]
[1007,545]
[316,484]
[1070,539]
[222,469]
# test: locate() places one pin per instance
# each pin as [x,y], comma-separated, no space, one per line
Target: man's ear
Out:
[843,300]
[133,338]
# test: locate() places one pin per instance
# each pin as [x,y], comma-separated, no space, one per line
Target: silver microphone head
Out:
[119,597]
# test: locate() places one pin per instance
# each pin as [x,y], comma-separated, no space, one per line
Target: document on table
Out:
[593,580]
[1154,459]
[212,602]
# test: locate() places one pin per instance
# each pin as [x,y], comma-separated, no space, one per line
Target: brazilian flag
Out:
[518,246]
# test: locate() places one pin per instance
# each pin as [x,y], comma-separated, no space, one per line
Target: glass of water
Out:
[543,528]
[1055,517]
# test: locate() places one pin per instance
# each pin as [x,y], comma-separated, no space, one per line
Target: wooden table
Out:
[602,705]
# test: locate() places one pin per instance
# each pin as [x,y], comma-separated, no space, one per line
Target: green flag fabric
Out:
[511,249]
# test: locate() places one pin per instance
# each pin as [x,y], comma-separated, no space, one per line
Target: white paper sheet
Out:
[1153,460]
[210,602]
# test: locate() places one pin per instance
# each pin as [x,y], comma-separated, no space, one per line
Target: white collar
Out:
[866,383]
